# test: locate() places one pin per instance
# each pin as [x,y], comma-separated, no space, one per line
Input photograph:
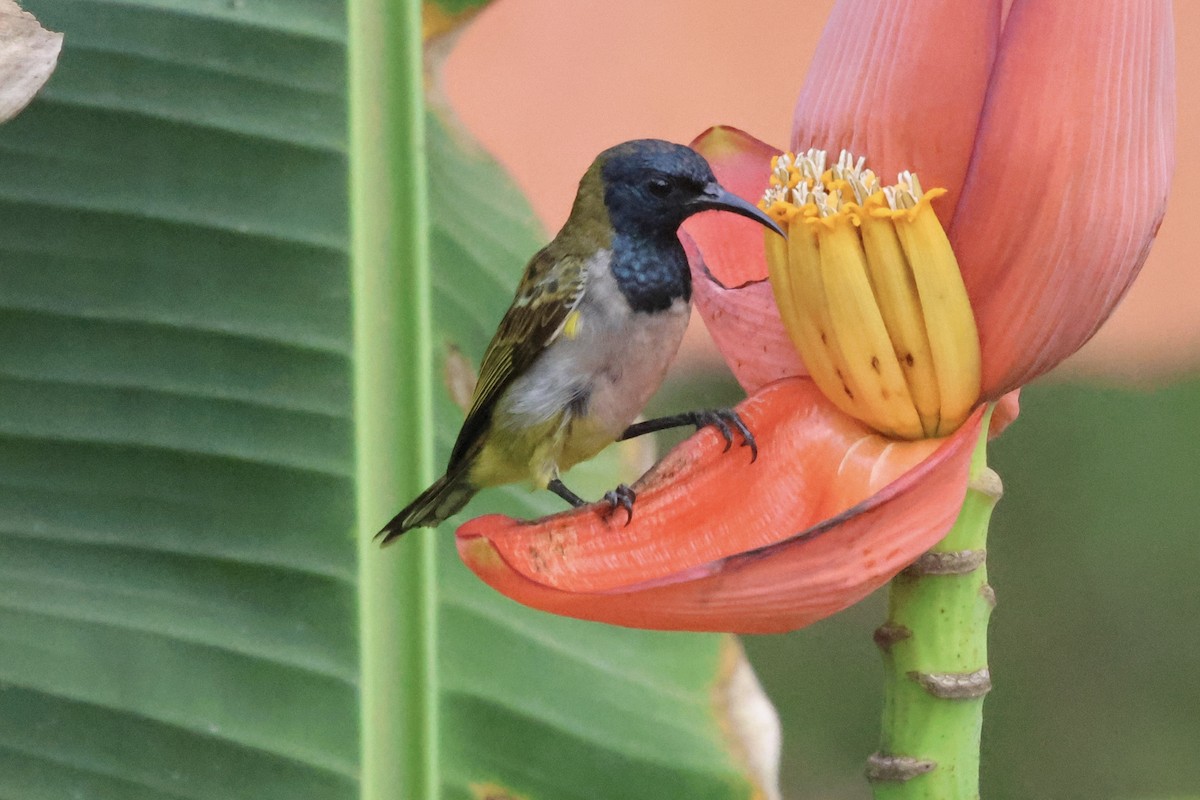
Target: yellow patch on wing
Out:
[571,326]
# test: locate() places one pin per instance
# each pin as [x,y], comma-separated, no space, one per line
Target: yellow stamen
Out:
[871,293]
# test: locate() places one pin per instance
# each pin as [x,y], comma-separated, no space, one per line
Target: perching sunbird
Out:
[598,316]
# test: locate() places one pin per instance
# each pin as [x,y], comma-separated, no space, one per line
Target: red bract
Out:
[829,512]
[1055,139]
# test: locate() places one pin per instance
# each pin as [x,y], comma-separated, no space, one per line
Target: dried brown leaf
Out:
[28,54]
[748,720]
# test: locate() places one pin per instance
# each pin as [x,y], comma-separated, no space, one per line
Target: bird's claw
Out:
[722,419]
[621,496]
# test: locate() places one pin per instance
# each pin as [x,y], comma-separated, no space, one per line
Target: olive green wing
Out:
[550,290]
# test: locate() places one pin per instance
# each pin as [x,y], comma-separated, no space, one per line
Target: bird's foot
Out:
[621,496]
[726,420]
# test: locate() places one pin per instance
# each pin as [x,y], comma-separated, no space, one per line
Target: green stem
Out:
[934,647]
[393,408]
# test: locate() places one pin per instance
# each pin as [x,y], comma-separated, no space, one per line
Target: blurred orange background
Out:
[545,85]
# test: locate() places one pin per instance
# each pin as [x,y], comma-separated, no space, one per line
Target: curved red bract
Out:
[827,514]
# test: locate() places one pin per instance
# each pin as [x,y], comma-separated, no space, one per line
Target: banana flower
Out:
[872,340]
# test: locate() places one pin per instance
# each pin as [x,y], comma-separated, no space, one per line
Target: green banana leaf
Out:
[181,569]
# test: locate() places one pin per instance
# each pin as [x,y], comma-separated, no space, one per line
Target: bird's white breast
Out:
[607,370]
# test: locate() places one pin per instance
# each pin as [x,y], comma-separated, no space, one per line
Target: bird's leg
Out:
[719,418]
[621,496]
[560,489]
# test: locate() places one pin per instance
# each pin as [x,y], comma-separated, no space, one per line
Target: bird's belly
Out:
[630,368]
[583,392]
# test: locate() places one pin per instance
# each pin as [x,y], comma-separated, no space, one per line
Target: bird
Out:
[597,318]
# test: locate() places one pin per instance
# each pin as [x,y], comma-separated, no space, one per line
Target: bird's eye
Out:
[659,187]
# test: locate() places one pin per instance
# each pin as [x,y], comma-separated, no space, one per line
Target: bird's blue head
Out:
[652,186]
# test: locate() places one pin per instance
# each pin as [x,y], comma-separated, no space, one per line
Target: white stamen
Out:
[775,194]
[799,175]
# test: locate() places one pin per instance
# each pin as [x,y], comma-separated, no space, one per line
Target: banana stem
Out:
[934,647]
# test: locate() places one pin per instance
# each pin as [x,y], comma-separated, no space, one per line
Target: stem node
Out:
[955,562]
[955,685]
[887,634]
[987,482]
[892,769]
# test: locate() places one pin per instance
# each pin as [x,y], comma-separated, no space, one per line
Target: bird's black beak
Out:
[716,198]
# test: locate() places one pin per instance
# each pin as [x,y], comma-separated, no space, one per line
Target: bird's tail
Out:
[444,498]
